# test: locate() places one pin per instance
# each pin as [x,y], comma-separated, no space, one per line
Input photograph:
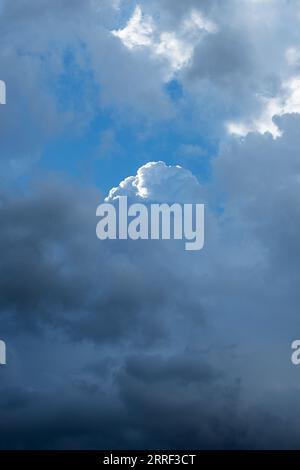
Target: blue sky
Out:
[108,148]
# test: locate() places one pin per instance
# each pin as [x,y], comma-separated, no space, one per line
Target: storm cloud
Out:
[126,344]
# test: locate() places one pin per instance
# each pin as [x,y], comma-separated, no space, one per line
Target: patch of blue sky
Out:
[108,149]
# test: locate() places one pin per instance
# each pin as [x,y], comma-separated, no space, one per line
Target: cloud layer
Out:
[123,344]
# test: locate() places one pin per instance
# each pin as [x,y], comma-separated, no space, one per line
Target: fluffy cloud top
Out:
[156,181]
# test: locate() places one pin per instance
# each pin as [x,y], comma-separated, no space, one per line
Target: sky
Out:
[141,344]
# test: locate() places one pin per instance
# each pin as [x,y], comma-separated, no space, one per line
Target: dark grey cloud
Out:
[92,290]
[126,345]
[221,58]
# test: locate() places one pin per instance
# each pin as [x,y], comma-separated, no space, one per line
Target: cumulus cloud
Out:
[160,182]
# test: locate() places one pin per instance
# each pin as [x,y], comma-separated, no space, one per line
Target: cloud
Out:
[216,52]
[157,181]
[175,47]
[227,73]
[76,283]
[118,325]
[125,344]
[56,82]
[138,31]
[287,102]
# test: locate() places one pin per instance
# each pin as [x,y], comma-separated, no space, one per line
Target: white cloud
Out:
[138,31]
[175,47]
[160,182]
[287,102]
